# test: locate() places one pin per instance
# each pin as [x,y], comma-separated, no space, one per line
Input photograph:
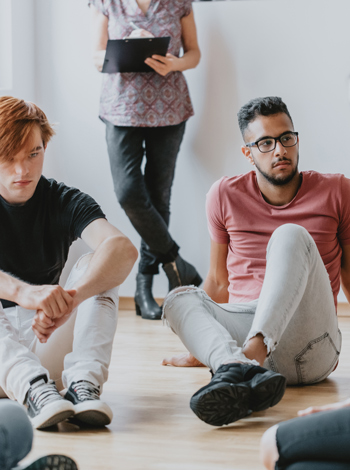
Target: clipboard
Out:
[129,54]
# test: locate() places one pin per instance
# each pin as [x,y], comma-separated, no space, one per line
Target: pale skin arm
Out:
[191,57]
[215,285]
[113,258]
[162,65]
[99,37]
[52,299]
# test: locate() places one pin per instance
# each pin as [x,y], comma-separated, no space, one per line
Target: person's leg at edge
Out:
[315,442]
[16,437]
[81,351]
[126,151]
[16,434]
[193,316]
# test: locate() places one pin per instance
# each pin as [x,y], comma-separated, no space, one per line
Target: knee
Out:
[291,233]
[177,299]
[84,261]
[129,196]
[268,448]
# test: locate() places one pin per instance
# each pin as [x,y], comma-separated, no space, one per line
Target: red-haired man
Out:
[40,219]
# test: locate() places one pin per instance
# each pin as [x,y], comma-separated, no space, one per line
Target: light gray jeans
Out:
[80,349]
[295,313]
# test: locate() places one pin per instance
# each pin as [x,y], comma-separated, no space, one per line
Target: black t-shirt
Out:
[35,237]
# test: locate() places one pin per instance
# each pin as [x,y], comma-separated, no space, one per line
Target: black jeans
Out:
[145,197]
[320,441]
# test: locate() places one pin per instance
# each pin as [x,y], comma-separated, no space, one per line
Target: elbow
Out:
[122,246]
[199,55]
[268,448]
[129,250]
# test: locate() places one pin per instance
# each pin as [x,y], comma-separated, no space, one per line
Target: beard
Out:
[278,180]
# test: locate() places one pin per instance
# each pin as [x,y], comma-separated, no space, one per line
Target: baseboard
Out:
[127,303]
[343,309]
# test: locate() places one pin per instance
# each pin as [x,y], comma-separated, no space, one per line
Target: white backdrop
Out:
[296,49]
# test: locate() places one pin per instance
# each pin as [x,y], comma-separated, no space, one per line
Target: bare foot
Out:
[183,360]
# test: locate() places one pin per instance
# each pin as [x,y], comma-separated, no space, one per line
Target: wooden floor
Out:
[153,426]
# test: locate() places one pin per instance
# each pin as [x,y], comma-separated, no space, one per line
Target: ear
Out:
[247,153]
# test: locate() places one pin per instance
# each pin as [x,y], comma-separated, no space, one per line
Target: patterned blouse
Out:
[145,99]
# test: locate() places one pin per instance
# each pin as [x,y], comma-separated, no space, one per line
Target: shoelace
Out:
[44,394]
[86,391]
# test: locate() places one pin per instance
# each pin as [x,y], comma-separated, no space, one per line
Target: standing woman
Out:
[146,114]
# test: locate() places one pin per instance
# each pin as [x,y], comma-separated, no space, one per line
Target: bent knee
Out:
[291,230]
[180,300]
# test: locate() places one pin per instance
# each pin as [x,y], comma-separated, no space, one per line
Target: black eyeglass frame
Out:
[251,144]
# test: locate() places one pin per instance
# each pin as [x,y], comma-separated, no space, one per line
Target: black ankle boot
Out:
[181,273]
[145,304]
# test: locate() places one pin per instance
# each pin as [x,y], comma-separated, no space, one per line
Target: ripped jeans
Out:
[80,349]
[295,313]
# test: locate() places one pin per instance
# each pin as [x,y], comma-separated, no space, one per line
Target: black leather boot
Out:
[145,304]
[181,273]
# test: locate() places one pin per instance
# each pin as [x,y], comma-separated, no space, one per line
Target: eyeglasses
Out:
[267,144]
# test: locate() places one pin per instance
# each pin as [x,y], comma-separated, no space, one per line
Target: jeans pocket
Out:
[317,360]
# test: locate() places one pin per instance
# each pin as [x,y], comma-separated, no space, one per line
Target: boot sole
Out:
[221,404]
[51,462]
[266,390]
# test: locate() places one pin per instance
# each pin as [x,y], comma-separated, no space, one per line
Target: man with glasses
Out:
[280,244]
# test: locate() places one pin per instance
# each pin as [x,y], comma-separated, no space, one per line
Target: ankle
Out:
[256,349]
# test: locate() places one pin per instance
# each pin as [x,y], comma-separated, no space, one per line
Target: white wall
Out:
[243,46]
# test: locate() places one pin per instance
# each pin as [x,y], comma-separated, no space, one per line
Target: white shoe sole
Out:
[53,413]
[93,412]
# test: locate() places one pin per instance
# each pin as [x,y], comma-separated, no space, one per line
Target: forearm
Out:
[11,287]
[98,58]
[217,292]
[109,266]
[189,60]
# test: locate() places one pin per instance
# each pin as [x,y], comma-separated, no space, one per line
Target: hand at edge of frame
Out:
[329,407]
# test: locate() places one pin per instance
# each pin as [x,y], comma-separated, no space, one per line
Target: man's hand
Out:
[163,65]
[183,360]
[54,301]
[317,409]
[43,326]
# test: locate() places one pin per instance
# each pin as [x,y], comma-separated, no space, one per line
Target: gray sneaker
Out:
[45,406]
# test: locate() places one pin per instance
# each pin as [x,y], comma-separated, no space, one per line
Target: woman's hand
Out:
[140,33]
[99,58]
[332,406]
[163,65]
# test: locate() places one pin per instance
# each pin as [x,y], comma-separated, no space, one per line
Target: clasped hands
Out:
[160,64]
[53,306]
